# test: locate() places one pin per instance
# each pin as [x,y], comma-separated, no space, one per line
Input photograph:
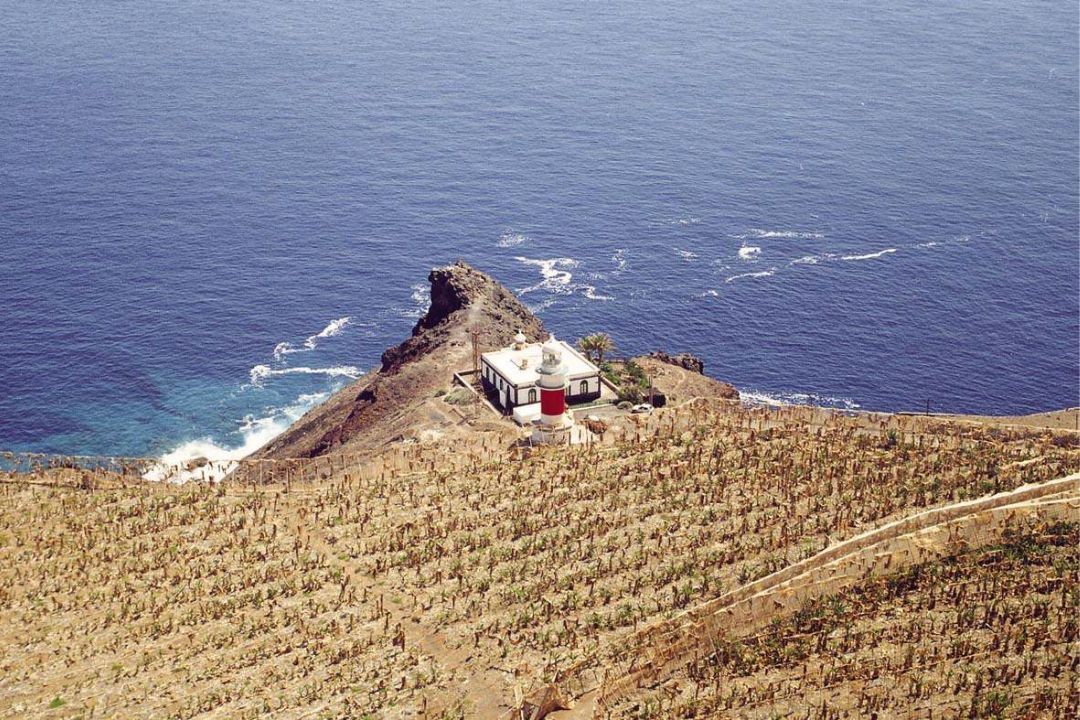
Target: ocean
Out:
[213,214]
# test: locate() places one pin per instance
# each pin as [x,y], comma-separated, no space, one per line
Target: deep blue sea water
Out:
[860,204]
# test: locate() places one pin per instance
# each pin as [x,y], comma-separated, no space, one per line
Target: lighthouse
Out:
[552,385]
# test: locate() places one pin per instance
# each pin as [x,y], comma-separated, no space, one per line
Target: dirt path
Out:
[658,651]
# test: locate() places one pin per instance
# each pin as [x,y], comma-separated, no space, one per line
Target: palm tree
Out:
[596,345]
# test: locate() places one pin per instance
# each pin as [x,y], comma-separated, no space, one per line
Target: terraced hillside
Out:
[990,632]
[456,580]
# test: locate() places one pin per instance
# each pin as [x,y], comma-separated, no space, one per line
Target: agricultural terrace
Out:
[985,633]
[446,581]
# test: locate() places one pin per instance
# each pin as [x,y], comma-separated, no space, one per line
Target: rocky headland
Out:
[403,399]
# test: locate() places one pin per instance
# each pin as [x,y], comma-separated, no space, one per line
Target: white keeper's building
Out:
[511,374]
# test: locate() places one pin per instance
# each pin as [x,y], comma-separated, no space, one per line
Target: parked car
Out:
[643,408]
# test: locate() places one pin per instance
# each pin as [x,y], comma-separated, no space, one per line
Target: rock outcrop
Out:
[683,360]
[680,378]
[398,401]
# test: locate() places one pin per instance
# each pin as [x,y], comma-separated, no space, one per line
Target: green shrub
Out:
[459,396]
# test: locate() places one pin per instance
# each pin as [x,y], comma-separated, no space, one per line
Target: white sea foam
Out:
[749,252]
[619,258]
[761,274]
[782,399]
[809,259]
[333,328]
[590,292]
[686,255]
[688,220]
[869,256]
[709,293]
[958,240]
[788,234]
[541,306]
[512,239]
[421,300]
[330,330]
[259,373]
[175,465]
[555,273]
[558,280]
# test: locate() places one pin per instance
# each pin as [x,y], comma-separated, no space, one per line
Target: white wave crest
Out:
[590,292]
[619,258]
[688,220]
[512,239]
[421,300]
[259,373]
[958,240]
[216,460]
[555,273]
[809,260]
[787,234]
[749,252]
[783,399]
[558,280]
[762,274]
[333,328]
[686,255]
[869,256]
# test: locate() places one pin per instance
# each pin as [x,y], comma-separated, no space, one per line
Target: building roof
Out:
[519,367]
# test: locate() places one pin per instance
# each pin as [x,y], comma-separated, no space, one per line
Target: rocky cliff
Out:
[398,401]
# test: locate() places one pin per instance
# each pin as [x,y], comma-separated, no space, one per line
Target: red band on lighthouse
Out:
[552,402]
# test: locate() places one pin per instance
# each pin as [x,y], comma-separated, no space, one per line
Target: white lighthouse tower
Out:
[554,419]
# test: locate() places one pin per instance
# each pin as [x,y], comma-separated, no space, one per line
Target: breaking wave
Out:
[512,239]
[825,257]
[590,292]
[959,240]
[749,252]
[557,279]
[555,273]
[781,399]
[204,459]
[869,256]
[332,329]
[260,373]
[421,300]
[789,234]
[761,274]
[619,258]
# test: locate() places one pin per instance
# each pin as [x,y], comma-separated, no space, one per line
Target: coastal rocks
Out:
[461,294]
[679,378]
[683,360]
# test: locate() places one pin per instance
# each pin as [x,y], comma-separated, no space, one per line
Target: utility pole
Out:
[474,336]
